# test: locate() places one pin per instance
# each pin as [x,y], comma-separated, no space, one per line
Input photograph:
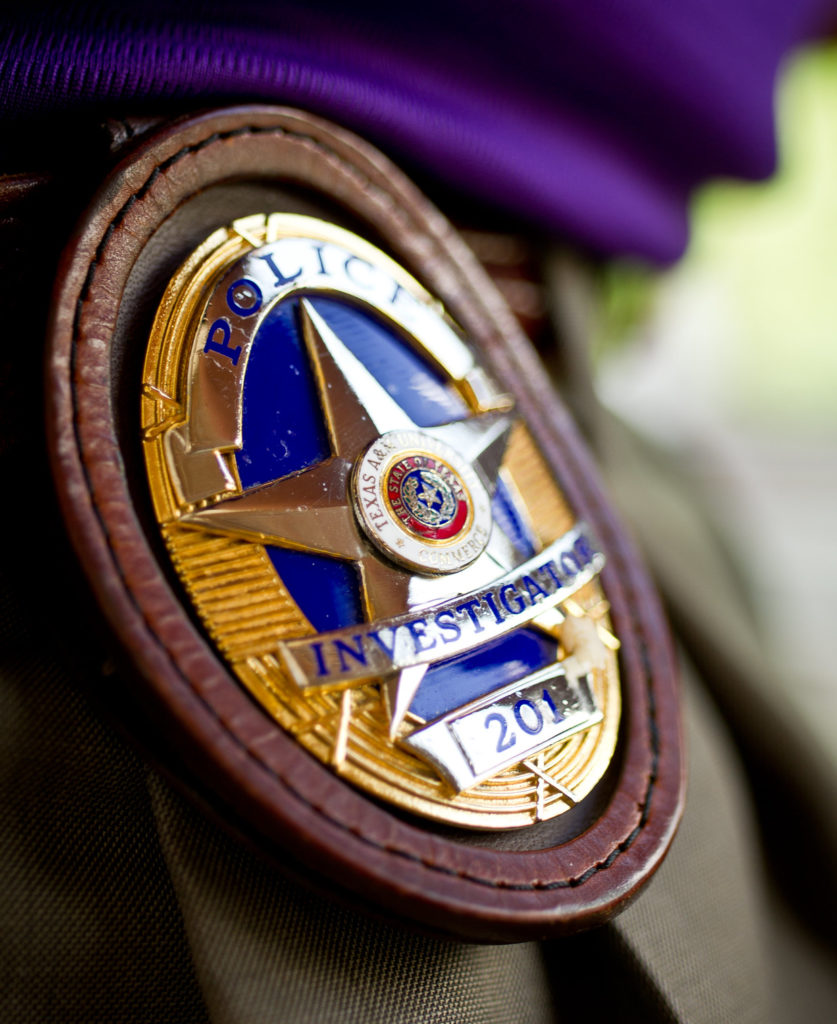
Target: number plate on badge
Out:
[513,724]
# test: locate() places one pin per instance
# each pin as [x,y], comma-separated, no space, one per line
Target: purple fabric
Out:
[592,119]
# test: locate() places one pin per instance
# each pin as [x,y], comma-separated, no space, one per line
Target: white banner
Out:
[464,623]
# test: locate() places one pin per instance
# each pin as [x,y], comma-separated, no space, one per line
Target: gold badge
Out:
[368,532]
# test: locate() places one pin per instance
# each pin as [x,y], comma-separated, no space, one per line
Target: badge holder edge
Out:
[462,891]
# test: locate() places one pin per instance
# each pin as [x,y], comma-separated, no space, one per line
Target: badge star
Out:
[312,510]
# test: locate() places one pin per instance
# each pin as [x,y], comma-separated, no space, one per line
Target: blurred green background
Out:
[758,285]
[726,365]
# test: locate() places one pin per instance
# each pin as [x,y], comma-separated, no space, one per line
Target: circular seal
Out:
[426,495]
[421,503]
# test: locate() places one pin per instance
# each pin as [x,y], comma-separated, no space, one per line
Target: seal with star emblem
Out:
[368,532]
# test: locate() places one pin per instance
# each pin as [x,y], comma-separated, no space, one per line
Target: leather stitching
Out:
[654,735]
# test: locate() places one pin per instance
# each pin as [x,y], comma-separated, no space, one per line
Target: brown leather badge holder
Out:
[362,565]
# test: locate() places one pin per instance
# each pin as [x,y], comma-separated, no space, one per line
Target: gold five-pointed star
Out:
[313,510]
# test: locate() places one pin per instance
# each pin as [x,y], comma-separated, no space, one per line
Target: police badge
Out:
[368,531]
[381,609]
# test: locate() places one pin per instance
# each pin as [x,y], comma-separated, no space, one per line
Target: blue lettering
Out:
[281,278]
[569,564]
[535,591]
[504,599]
[446,621]
[244,289]
[583,551]
[488,597]
[420,641]
[469,607]
[351,276]
[533,727]
[318,249]
[317,648]
[356,652]
[379,640]
[222,347]
[550,569]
